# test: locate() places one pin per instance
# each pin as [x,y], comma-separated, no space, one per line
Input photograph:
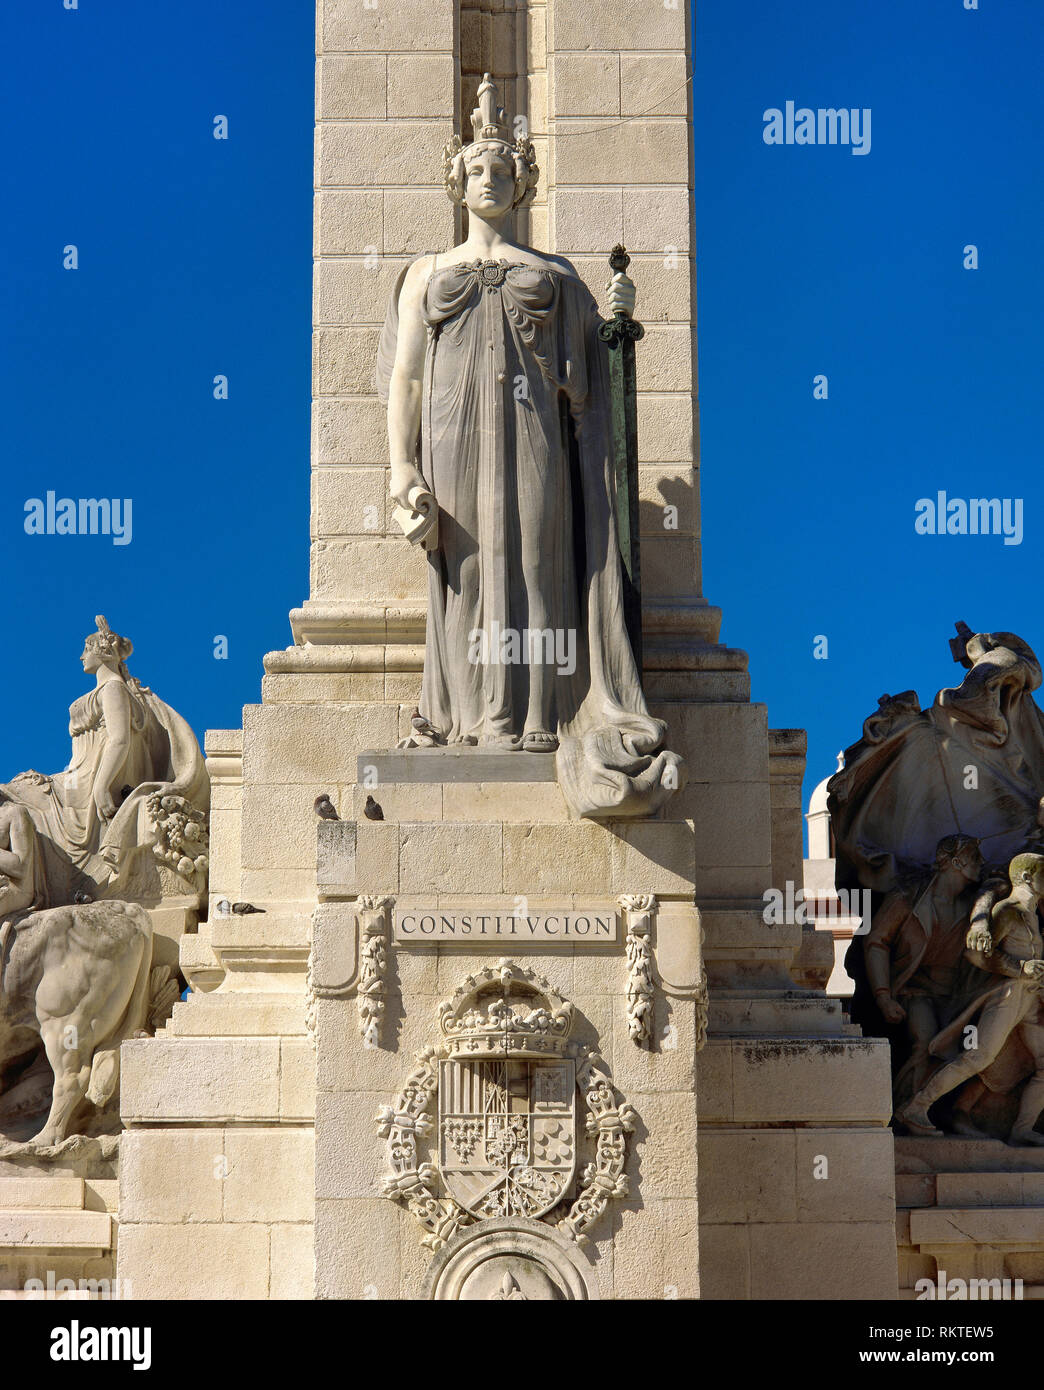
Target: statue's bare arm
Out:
[16,832]
[116,708]
[404,393]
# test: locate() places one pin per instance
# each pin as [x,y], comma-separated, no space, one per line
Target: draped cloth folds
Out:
[80,851]
[973,763]
[514,445]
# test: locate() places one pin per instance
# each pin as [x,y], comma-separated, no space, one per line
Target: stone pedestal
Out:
[472,873]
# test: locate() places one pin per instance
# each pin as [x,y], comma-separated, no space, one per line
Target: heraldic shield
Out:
[507,1133]
[505,1146]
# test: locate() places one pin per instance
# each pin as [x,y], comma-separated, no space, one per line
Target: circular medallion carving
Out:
[492,273]
[511,1260]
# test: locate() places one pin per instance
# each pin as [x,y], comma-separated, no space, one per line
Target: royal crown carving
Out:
[506,1009]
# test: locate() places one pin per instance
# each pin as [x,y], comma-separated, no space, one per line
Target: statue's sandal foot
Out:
[1026,1139]
[915,1119]
[539,741]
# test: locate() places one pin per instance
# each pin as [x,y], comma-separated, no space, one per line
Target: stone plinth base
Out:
[216,1157]
[502,881]
[57,1234]
[796,1187]
[969,1209]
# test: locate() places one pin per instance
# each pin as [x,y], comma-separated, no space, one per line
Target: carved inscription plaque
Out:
[475,927]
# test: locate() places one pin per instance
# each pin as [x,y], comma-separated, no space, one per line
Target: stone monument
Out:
[937,812]
[103,868]
[500,1014]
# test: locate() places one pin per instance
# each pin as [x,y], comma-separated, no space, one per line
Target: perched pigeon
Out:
[223,908]
[422,726]
[241,909]
[324,808]
[371,810]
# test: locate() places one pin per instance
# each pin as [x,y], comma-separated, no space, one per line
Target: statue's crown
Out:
[489,124]
[104,639]
[488,120]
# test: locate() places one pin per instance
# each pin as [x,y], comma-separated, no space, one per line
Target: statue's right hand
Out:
[403,481]
[893,1012]
[980,941]
[105,804]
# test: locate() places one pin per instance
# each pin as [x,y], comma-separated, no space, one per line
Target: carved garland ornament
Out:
[506,1075]
[373,961]
[640,987]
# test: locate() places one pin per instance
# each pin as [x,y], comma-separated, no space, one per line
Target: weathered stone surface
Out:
[55,1229]
[200,1079]
[349,1158]
[839,1260]
[35,1192]
[642,150]
[269,1175]
[292,1262]
[357,1249]
[653,84]
[347,26]
[747,1175]
[310,745]
[352,85]
[835,1080]
[586,84]
[451,858]
[174,1261]
[372,154]
[171,1176]
[420,84]
[551,859]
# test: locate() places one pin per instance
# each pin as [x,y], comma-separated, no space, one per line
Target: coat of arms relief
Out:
[504,1136]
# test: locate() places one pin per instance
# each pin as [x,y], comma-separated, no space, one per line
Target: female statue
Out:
[497,389]
[127,748]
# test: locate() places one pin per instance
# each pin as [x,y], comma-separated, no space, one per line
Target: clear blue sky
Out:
[195,259]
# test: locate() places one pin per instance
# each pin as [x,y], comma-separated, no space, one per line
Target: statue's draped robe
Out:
[973,763]
[81,852]
[909,780]
[515,448]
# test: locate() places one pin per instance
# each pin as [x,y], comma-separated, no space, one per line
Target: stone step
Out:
[237,1014]
[776,1016]
[1018,1226]
[55,1229]
[991,1189]
[42,1193]
[278,924]
[954,1155]
[273,941]
[208,1080]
